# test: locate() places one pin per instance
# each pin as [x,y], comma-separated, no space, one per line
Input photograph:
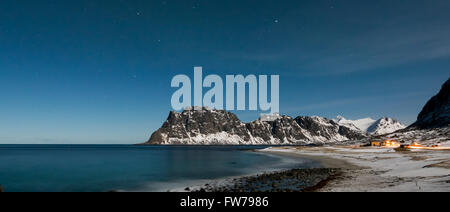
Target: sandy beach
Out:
[370,169]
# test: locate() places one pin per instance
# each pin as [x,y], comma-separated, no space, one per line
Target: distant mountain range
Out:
[209,127]
[218,127]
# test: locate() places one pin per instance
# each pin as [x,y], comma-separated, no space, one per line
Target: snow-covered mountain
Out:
[208,127]
[370,126]
[360,124]
[384,126]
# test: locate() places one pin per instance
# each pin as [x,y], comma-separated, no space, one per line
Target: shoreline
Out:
[368,169]
[348,169]
[284,180]
[293,180]
[325,161]
[332,169]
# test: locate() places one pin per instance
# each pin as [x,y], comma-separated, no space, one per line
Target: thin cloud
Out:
[251,56]
[349,101]
[324,105]
[384,48]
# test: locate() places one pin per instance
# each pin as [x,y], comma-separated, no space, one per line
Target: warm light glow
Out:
[417,145]
[391,143]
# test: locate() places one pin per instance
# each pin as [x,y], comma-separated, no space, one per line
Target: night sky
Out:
[99,71]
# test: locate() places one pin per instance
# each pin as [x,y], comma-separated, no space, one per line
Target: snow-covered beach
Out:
[369,169]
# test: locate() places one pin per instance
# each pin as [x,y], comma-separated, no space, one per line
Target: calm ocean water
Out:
[126,167]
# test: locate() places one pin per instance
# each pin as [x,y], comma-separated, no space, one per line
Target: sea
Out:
[103,168]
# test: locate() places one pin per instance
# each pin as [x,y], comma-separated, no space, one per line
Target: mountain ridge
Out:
[436,112]
[372,127]
[208,127]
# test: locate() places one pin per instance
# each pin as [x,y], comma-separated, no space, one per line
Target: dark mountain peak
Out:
[191,124]
[436,112]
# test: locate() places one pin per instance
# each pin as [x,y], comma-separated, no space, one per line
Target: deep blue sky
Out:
[99,71]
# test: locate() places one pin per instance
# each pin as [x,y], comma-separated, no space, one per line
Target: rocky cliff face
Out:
[436,113]
[208,127]
[200,127]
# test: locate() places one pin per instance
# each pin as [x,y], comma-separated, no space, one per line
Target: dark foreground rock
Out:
[295,180]
[1,188]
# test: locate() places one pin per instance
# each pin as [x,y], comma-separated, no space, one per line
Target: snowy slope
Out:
[360,124]
[370,126]
[385,126]
[426,137]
